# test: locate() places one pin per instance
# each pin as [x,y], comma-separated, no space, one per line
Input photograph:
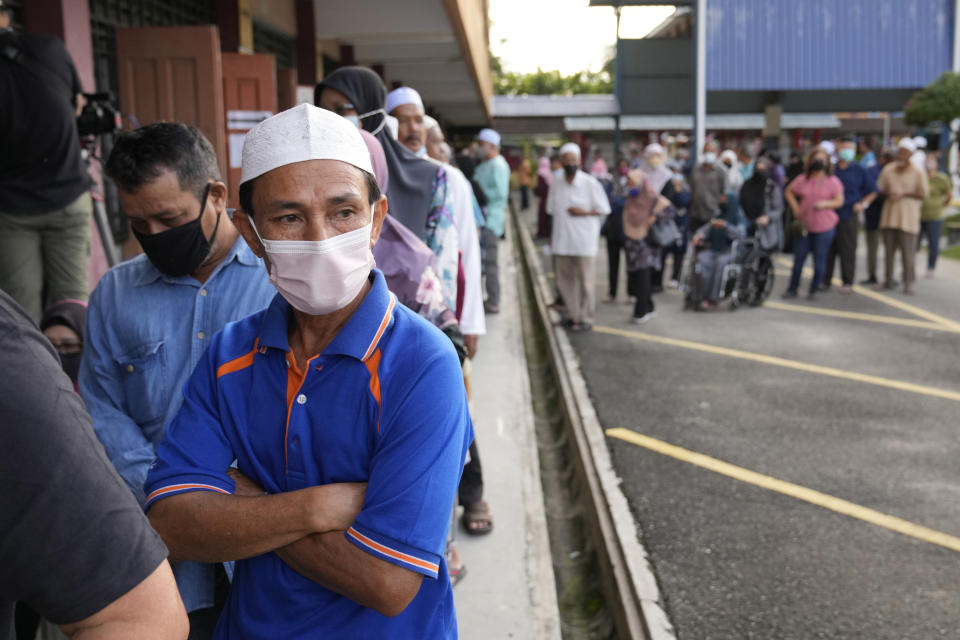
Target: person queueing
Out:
[814,197]
[762,202]
[612,229]
[477,517]
[859,192]
[76,548]
[578,205]
[642,207]
[931,213]
[708,187]
[905,187]
[544,180]
[418,193]
[151,318]
[871,217]
[493,176]
[339,531]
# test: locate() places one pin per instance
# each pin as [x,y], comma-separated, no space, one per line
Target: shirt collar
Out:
[358,338]
[239,252]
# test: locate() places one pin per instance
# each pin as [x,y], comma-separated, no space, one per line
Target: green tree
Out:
[542,82]
[937,102]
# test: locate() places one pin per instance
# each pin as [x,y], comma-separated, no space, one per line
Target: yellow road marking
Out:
[866,317]
[786,363]
[885,299]
[817,498]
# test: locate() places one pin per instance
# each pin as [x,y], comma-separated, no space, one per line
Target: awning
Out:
[719,121]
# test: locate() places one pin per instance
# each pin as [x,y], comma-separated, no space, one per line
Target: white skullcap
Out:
[430,123]
[489,135]
[570,147]
[401,96]
[729,154]
[302,133]
[653,149]
[908,144]
[921,142]
[829,147]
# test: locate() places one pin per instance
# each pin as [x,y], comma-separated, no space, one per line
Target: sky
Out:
[567,35]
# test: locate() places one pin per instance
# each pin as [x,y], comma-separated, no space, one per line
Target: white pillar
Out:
[700,78]
[952,153]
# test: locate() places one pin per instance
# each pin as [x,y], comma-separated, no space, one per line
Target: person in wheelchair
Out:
[762,201]
[714,242]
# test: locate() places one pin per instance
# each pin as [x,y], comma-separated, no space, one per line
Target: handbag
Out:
[663,233]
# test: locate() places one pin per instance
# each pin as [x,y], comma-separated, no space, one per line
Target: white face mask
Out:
[421,152]
[320,277]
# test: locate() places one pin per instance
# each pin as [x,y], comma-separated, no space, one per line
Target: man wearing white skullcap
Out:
[578,205]
[346,463]
[904,186]
[493,176]
[405,105]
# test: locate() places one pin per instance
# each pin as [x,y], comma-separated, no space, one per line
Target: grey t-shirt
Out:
[72,537]
[707,185]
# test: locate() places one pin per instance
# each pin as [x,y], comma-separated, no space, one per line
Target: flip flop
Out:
[456,575]
[476,514]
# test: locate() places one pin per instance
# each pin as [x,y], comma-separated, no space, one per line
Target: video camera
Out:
[99,116]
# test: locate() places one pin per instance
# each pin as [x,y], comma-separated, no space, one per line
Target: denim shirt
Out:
[145,333]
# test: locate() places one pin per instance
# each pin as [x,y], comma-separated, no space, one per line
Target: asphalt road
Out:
[737,560]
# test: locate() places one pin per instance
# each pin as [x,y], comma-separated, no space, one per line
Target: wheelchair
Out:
[746,280]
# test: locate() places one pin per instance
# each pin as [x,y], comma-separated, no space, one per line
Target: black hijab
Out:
[71,314]
[753,196]
[410,192]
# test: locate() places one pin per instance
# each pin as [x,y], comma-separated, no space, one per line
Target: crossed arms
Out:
[305,528]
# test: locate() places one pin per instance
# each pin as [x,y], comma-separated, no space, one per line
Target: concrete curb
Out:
[632,588]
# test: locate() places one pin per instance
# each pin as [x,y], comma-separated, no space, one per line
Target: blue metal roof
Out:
[774,45]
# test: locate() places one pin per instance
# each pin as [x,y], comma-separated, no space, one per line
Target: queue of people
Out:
[219,368]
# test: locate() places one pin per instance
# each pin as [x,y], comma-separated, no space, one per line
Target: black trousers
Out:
[640,286]
[614,249]
[845,247]
[471,482]
[204,621]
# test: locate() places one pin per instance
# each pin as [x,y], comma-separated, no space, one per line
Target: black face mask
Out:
[817,165]
[179,251]
[570,170]
[760,174]
[71,365]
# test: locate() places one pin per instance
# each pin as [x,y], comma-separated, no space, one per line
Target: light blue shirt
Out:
[145,333]
[493,176]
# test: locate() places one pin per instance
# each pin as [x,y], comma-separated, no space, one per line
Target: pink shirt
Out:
[811,191]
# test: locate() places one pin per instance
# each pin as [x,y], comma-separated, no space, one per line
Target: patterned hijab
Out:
[638,209]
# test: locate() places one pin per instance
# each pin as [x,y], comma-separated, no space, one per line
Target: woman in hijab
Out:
[643,206]
[762,203]
[544,178]
[417,191]
[63,324]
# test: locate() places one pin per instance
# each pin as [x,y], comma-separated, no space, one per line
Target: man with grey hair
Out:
[578,205]
[414,133]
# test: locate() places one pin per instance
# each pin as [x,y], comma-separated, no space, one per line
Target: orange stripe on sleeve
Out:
[237,364]
[387,551]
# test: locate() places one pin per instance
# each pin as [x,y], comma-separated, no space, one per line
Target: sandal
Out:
[477,519]
[456,575]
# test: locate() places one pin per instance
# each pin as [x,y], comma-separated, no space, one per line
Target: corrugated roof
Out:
[724,121]
[771,45]
[554,106]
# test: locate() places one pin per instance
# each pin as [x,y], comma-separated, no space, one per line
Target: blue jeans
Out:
[819,244]
[931,230]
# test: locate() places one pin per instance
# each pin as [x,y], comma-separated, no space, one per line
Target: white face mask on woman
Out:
[323,276]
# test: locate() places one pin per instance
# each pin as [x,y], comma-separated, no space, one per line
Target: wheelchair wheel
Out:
[761,278]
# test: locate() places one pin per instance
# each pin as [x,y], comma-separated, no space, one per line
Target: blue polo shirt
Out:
[383,404]
[857,184]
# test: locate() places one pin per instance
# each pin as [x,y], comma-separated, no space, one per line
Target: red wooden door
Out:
[175,74]
[250,95]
